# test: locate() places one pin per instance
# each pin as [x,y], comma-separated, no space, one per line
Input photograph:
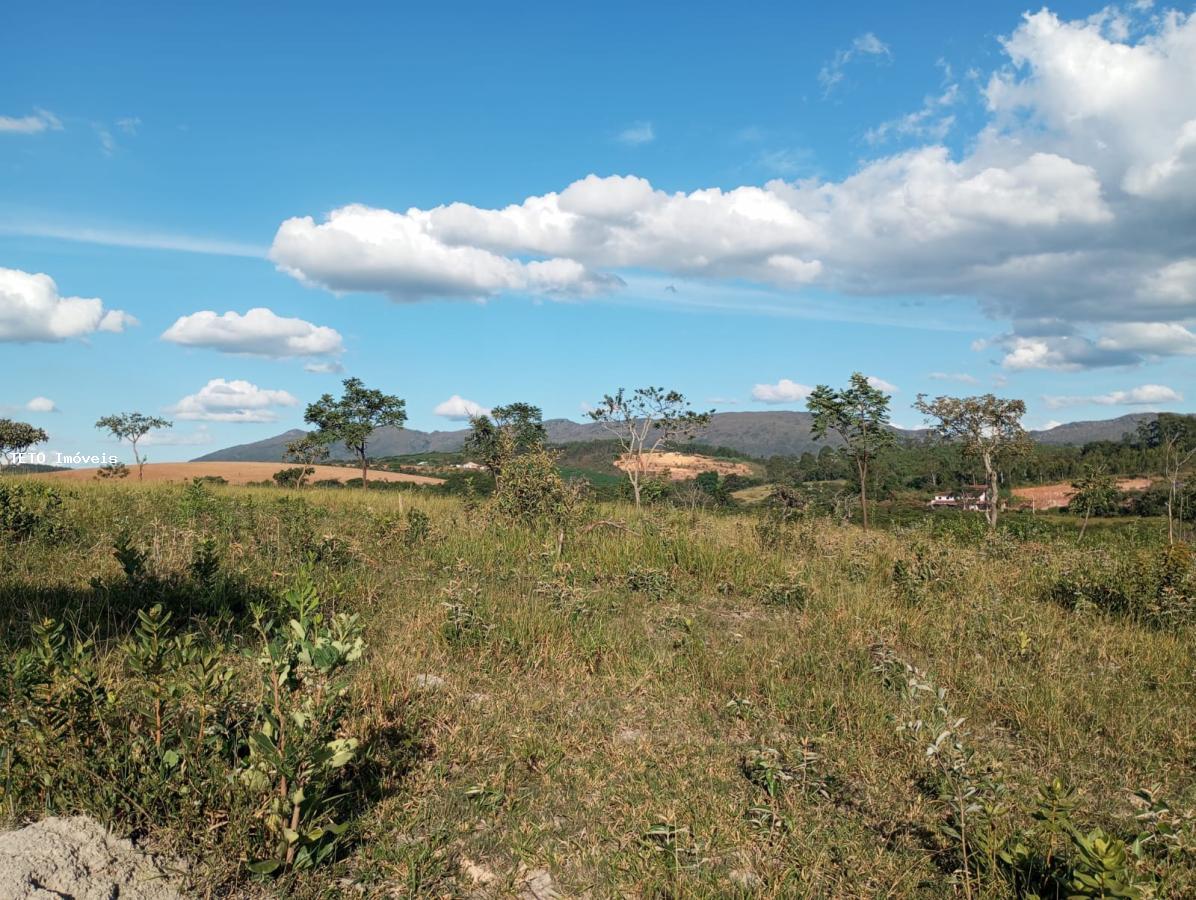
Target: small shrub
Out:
[463,622]
[293,477]
[419,527]
[30,510]
[298,749]
[919,572]
[785,594]
[655,584]
[775,772]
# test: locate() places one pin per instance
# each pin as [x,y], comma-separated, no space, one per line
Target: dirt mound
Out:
[239,473]
[683,466]
[77,858]
[1057,496]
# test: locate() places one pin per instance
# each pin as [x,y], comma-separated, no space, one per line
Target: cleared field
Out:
[238,473]
[1057,496]
[684,466]
[757,494]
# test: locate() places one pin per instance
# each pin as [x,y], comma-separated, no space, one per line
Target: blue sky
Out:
[951,199]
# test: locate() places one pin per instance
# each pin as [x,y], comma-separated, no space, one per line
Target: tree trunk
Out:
[863,469]
[992,498]
[365,470]
[1084,527]
[140,464]
[1171,515]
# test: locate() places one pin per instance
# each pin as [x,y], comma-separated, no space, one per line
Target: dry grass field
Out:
[238,473]
[684,704]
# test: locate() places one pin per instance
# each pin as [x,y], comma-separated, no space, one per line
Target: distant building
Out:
[470,465]
[972,497]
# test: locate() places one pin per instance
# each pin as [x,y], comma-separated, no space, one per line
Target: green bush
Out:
[1156,588]
[176,737]
[30,510]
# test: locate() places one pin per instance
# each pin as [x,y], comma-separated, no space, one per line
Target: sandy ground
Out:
[238,473]
[683,466]
[1056,496]
[77,858]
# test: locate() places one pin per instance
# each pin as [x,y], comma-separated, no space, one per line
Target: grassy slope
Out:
[592,710]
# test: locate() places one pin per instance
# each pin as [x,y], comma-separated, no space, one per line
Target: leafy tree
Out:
[504,434]
[859,414]
[644,420]
[1095,492]
[309,451]
[132,427]
[16,438]
[988,428]
[352,419]
[1173,437]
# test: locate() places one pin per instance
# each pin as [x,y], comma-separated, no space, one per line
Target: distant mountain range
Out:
[758,434]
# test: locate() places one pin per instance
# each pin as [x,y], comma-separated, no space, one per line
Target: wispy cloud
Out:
[146,240]
[41,120]
[866,45]
[324,368]
[786,161]
[1144,395]
[107,141]
[636,134]
[961,377]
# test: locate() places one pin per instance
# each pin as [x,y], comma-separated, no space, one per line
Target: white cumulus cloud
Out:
[784,391]
[458,408]
[1155,338]
[232,401]
[41,405]
[881,385]
[1073,205]
[259,332]
[31,309]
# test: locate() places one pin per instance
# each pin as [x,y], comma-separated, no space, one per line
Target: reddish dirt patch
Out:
[684,466]
[239,473]
[1057,496]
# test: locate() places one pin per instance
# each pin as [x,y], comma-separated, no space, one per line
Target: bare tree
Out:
[642,422]
[132,427]
[988,428]
[1174,436]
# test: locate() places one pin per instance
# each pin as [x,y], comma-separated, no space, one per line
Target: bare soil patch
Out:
[684,466]
[1057,496]
[240,473]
